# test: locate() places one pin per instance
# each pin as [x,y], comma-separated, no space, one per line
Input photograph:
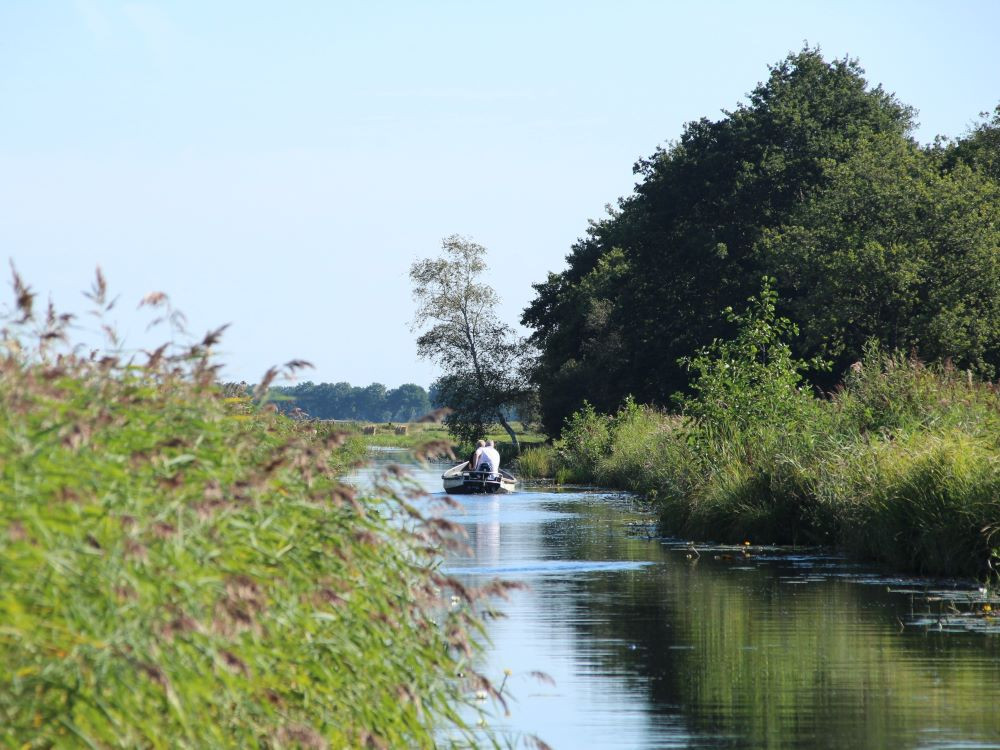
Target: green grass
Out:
[417,433]
[186,570]
[902,465]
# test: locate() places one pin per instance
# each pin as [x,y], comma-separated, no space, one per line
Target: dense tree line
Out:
[373,403]
[815,181]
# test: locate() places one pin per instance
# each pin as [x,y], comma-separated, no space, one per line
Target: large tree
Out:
[481,357]
[894,249]
[408,402]
[744,196]
[979,148]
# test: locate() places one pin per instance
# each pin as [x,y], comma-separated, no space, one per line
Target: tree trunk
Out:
[510,431]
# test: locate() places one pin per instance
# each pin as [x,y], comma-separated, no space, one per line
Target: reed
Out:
[184,568]
[536,462]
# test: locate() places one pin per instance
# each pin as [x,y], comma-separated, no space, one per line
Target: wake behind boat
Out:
[460,480]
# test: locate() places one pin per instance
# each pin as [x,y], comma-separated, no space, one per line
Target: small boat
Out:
[460,480]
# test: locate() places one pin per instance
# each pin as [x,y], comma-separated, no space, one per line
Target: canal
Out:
[652,644]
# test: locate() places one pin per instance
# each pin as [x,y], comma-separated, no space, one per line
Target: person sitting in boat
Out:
[488,457]
[480,460]
[473,459]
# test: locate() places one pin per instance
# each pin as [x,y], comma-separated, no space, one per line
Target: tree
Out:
[481,357]
[752,379]
[980,148]
[646,286]
[373,404]
[407,402]
[892,249]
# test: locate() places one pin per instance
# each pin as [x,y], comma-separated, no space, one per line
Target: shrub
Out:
[752,379]
[585,439]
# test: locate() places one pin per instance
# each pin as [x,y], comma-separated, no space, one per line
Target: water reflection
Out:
[487,533]
[651,649]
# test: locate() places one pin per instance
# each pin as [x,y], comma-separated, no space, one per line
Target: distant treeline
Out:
[373,403]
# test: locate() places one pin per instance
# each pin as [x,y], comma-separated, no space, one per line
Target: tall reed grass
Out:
[536,462]
[901,465]
[182,568]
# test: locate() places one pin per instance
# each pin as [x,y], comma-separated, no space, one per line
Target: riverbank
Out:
[185,568]
[901,466]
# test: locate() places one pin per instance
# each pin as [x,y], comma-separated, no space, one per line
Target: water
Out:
[652,646]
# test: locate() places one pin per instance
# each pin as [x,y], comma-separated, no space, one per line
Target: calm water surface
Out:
[649,648]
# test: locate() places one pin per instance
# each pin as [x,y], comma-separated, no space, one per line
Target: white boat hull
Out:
[458,480]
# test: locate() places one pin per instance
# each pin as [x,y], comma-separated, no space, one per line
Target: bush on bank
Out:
[183,569]
[901,464]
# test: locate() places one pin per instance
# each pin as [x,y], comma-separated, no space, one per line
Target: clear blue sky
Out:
[280,165]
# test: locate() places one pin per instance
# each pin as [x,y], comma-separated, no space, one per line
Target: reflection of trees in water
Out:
[750,660]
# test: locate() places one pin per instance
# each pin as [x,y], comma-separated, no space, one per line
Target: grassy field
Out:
[183,569]
[415,434]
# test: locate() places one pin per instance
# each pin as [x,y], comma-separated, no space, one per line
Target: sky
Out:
[279,166]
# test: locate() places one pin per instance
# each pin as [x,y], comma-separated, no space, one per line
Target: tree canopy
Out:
[815,181]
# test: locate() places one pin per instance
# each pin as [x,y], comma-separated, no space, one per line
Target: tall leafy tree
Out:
[407,402]
[481,357]
[891,248]
[980,148]
[372,401]
[648,283]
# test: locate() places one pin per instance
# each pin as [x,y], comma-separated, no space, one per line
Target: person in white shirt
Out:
[492,455]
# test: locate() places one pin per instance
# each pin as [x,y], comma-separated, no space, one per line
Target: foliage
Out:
[901,464]
[183,569]
[814,181]
[588,435]
[482,358]
[979,149]
[893,249]
[373,403]
[536,462]
[752,378]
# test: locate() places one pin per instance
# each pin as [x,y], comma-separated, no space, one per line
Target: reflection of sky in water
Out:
[546,567]
[652,649]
